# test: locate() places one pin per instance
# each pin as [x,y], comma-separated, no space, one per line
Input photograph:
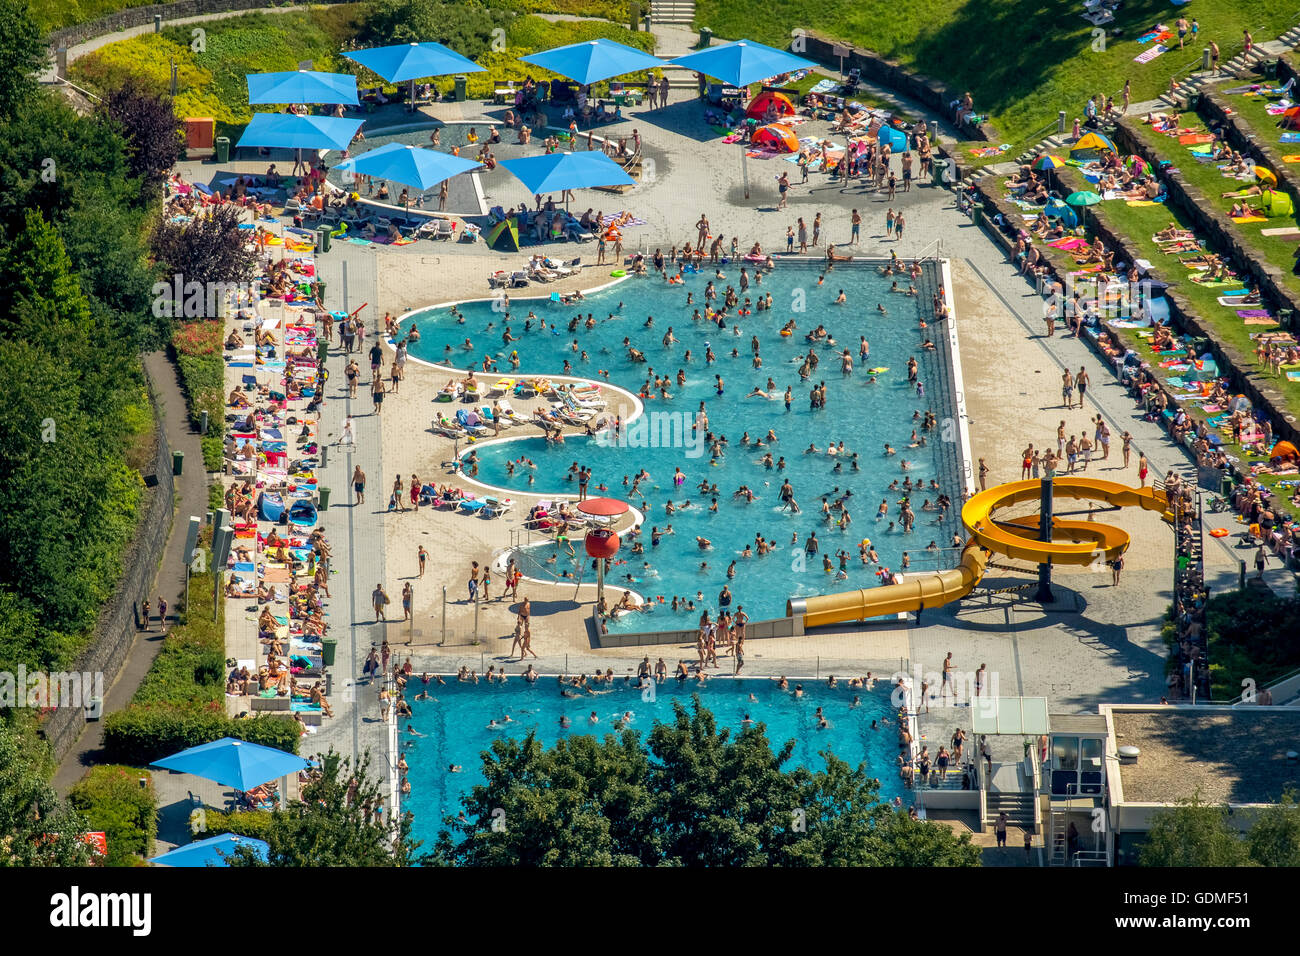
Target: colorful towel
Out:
[1246,219]
[1290,138]
[1293,376]
[1254,313]
[1146,56]
[1291,158]
[1193,138]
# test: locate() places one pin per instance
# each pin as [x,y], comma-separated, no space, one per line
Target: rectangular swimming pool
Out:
[455,723]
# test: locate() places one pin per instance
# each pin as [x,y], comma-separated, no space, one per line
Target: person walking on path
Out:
[899,223]
[407,596]
[1081,382]
[1142,469]
[1000,828]
[371,667]
[1116,567]
[349,436]
[162,612]
[359,485]
[379,598]
[1261,561]
[472,584]
[783,187]
[949,669]
[984,474]
[856,228]
[1067,390]
[423,556]
[803,235]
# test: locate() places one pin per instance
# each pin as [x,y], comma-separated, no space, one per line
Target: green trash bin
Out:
[324,499]
[940,165]
[323,238]
[223,149]
[178,462]
[461,82]
[328,648]
[706,37]
[1225,484]
[320,290]
[977,213]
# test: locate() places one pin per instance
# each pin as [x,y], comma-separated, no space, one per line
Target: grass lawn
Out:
[1140,223]
[1212,184]
[1023,61]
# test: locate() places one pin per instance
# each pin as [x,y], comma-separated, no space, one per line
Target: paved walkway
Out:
[191,498]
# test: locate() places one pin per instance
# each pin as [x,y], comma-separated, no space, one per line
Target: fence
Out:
[115,630]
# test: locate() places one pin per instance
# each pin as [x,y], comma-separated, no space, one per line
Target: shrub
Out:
[183,672]
[113,801]
[143,733]
[249,823]
[1251,635]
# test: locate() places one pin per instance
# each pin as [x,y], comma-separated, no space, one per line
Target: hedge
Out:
[191,665]
[197,345]
[113,801]
[143,733]
[249,823]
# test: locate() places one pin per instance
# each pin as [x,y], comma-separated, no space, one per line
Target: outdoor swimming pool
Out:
[863,411]
[455,731]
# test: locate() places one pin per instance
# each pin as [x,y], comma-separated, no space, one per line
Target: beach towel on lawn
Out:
[1293,376]
[1290,138]
[1194,138]
[1247,219]
[1291,158]
[1146,56]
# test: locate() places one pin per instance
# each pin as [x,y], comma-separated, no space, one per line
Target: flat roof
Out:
[1093,725]
[1230,754]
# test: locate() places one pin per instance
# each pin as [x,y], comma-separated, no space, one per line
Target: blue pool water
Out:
[455,731]
[863,411]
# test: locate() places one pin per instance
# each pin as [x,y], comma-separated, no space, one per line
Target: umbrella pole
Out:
[744,167]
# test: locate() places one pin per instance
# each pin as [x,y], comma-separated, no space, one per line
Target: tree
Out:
[208,251]
[22,54]
[690,795]
[335,823]
[152,131]
[1193,834]
[464,25]
[36,827]
[1274,840]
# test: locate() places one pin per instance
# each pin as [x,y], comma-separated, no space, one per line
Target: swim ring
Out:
[618,274]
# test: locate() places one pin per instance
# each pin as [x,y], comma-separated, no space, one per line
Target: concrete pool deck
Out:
[1105,647]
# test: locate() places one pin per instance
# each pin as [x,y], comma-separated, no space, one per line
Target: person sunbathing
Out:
[1173,231]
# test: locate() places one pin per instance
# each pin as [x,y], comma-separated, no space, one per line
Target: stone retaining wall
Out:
[116,629]
[926,90]
[1239,368]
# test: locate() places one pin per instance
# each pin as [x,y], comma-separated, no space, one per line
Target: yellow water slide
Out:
[1073,542]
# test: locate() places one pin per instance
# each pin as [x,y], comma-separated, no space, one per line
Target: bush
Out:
[113,801]
[190,667]
[197,346]
[1251,636]
[143,733]
[249,823]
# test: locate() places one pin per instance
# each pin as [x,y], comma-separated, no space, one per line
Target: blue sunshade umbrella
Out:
[413,61]
[593,60]
[742,62]
[234,763]
[290,131]
[211,852]
[408,165]
[561,171]
[302,86]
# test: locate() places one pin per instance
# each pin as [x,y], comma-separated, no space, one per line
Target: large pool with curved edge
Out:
[867,408]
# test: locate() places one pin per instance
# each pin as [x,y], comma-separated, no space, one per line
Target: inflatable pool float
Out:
[878,369]
[1219,533]
[786,332]
[618,274]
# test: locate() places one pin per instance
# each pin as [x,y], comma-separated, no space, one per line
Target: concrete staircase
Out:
[672,11]
[1019,808]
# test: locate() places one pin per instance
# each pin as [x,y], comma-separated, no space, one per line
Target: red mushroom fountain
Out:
[602,543]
